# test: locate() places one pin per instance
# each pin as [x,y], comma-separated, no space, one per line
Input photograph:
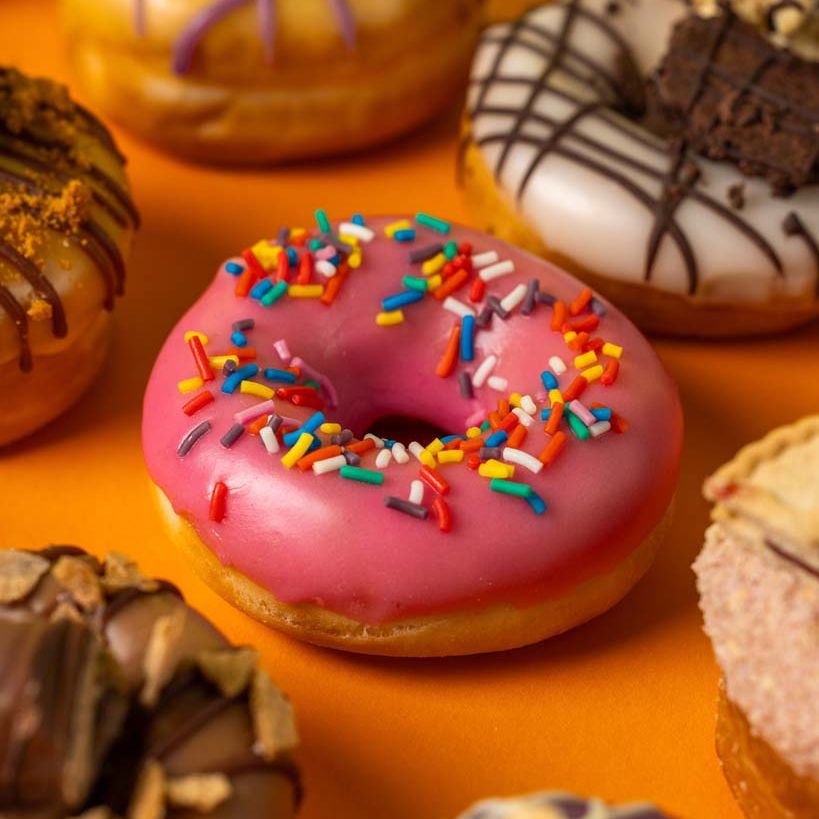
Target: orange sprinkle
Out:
[610,373]
[575,389]
[510,422]
[494,420]
[555,418]
[517,436]
[243,353]
[473,461]
[455,443]
[594,344]
[471,444]
[283,267]
[254,427]
[333,286]
[619,424]
[245,283]
[552,449]
[591,322]
[503,407]
[304,463]
[451,285]
[581,302]
[558,315]
[360,447]
[450,358]
[434,480]
[578,342]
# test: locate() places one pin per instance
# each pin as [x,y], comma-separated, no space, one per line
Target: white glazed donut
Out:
[555,805]
[576,179]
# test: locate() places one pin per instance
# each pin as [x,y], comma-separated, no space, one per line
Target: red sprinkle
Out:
[201,358]
[575,389]
[465,249]
[196,403]
[610,373]
[433,480]
[305,268]
[474,460]
[450,358]
[218,502]
[588,323]
[253,271]
[282,267]
[441,512]
[288,392]
[477,291]
[509,422]
[305,400]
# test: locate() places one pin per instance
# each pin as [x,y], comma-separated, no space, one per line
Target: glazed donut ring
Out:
[66,222]
[550,161]
[391,549]
[557,805]
[241,82]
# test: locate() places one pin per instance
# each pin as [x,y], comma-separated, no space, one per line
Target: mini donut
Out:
[555,805]
[66,222]
[710,229]
[758,579]
[544,395]
[117,699]
[239,82]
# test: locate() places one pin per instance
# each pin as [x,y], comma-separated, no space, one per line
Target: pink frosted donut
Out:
[539,508]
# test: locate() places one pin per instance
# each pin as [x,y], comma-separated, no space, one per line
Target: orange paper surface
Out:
[622,708]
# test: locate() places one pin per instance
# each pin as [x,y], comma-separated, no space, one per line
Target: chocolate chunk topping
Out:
[732,95]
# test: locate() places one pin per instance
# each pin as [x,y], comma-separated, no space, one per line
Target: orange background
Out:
[622,708]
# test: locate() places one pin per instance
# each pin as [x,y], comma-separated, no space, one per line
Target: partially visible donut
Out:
[556,805]
[66,222]
[237,81]
[117,699]
[556,158]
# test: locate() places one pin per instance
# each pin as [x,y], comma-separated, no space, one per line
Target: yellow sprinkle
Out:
[473,432]
[295,233]
[204,339]
[350,240]
[434,446]
[556,396]
[434,282]
[297,450]
[305,291]
[354,259]
[450,456]
[613,350]
[593,373]
[433,265]
[190,384]
[427,459]
[401,224]
[570,336]
[219,361]
[496,469]
[253,388]
[266,253]
[585,360]
[388,319]
[330,428]
[514,399]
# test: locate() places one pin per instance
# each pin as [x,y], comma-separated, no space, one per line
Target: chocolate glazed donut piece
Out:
[118,700]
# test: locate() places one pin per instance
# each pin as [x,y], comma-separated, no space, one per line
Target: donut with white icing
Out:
[239,81]
[556,805]
[554,159]
[538,505]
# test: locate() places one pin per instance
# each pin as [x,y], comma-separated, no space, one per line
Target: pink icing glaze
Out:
[329,541]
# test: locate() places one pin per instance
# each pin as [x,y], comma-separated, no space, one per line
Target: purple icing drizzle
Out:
[345,21]
[266,10]
[139,17]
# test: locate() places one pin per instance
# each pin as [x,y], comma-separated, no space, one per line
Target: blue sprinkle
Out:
[537,503]
[238,338]
[232,382]
[389,443]
[315,445]
[358,219]
[597,307]
[601,413]
[496,438]
[545,413]
[447,438]
[310,425]
[405,235]
[292,256]
[261,288]
[234,268]
[336,260]
[549,380]
[400,299]
[284,376]
[468,338]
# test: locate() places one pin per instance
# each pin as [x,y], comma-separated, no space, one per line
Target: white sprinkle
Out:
[524,459]
[482,260]
[497,382]
[458,307]
[399,452]
[482,373]
[512,299]
[327,269]
[379,444]
[600,428]
[359,231]
[382,460]
[269,439]
[495,271]
[329,465]
[416,493]
[557,364]
[524,418]
[528,405]
[416,449]
[283,351]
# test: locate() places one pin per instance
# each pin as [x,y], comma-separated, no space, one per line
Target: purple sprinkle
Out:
[284,235]
[415,510]
[352,458]
[465,383]
[275,421]
[487,452]
[421,254]
[230,367]
[484,317]
[192,437]
[530,300]
[187,42]
[231,436]
[345,20]
[497,307]
[597,307]
[546,298]
[244,324]
[266,12]
[342,438]
[341,247]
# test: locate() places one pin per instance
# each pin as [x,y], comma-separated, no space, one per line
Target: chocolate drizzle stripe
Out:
[792,558]
[190,727]
[708,63]
[121,600]
[18,316]
[794,226]
[111,251]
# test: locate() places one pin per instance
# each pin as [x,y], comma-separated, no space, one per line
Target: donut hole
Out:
[406,428]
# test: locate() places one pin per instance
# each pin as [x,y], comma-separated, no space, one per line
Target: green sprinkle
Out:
[322,221]
[274,294]
[577,426]
[485,425]
[315,244]
[415,283]
[433,223]
[519,490]
[356,473]
[450,250]
[312,384]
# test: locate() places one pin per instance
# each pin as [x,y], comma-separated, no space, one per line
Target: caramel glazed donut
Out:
[555,805]
[758,578]
[66,222]
[117,699]
[233,81]
[559,155]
